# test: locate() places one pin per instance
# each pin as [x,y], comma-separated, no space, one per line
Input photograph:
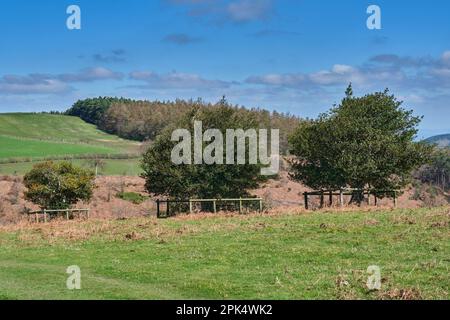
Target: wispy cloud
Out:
[32,84]
[115,56]
[181,39]
[379,40]
[402,62]
[274,33]
[338,74]
[90,75]
[381,70]
[176,80]
[236,11]
[53,83]
[249,10]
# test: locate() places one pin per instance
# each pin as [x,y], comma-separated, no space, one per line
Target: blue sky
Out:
[293,56]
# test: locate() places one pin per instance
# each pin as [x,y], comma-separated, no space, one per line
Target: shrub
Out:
[58,185]
[133,197]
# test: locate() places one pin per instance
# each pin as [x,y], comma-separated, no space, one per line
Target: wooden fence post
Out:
[190,206]
[45,216]
[260,205]
[331,198]
[306,200]
[214,206]
[341,198]
[368,198]
[322,200]
[158,214]
[240,205]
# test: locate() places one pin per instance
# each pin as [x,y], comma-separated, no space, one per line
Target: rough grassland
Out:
[321,255]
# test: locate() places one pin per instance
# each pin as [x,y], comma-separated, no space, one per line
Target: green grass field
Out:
[60,128]
[23,148]
[113,167]
[34,136]
[323,255]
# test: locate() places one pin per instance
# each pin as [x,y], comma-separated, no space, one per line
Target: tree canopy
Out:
[58,185]
[163,177]
[364,142]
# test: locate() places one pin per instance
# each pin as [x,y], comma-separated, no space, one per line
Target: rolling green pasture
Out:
[322,255]
[25,137]
[60,128]
[23,148]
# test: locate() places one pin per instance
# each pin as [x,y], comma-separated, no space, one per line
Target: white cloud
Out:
[446,57]
[53,84]
[237,11]
[380,71]
[177,80]
[249,10]
[338,74]
[32,84]
[91,74]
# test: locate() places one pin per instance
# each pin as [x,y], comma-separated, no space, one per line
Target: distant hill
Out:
[441,140]
[26,135]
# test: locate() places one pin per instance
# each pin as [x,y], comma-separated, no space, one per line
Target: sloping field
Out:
[33,137]
[322,255]
[73,135]
[23,148]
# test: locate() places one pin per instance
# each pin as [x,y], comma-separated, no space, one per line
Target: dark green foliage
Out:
[203,181]
[92,110]
[364,142]
[133,197]
[58,185]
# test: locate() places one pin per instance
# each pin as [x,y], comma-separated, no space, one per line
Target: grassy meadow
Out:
[322,255]
[113,167]
[30,137]
[23,148]
[59,128]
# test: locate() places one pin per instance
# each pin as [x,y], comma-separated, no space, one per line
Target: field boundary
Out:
[65,141]
[114,156]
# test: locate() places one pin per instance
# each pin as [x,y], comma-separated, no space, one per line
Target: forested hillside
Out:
[144,120]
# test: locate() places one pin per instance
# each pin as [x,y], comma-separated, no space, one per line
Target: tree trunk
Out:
[357,197]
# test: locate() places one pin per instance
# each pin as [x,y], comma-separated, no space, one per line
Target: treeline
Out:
[437,171]
[145,120]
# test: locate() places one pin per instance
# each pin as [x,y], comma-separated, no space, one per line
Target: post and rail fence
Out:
[349,192]
[215,204]
[47,214]
[235,202]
